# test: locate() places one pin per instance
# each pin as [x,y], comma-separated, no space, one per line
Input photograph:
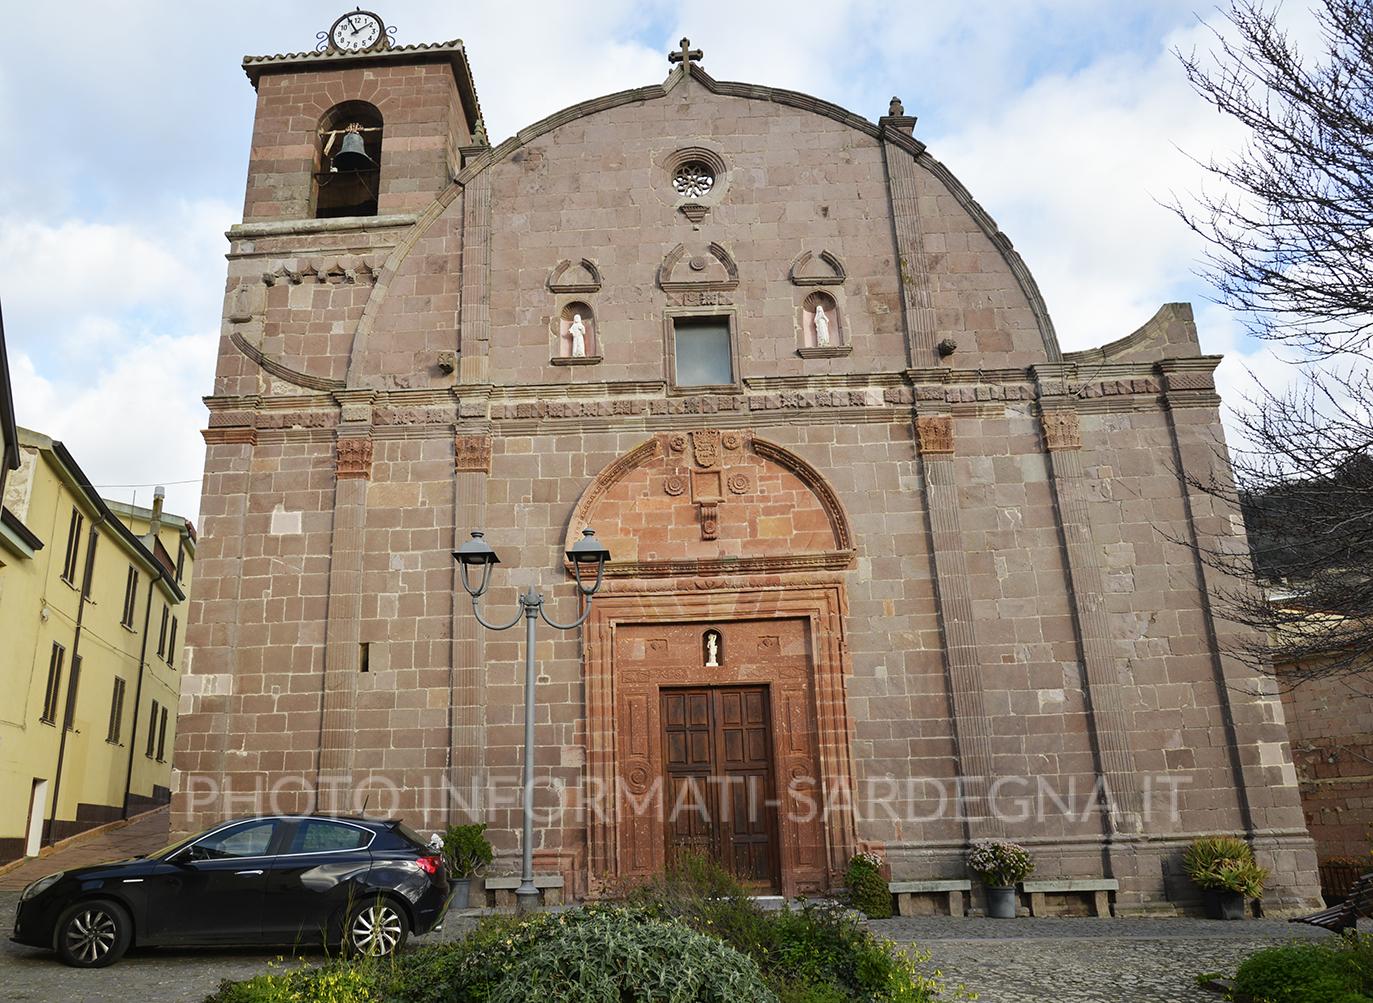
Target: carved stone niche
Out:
[836,332]
[591,342]
[575,277]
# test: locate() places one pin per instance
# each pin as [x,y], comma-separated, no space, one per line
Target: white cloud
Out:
[133,420]
[97,319]
[1061,116]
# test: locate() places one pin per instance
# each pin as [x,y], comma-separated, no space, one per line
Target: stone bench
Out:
[1099,888]
[954,890]
[500,889]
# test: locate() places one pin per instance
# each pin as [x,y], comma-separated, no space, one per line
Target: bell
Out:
[351,156]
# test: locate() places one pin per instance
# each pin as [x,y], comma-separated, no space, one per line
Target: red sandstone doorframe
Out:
[810,729]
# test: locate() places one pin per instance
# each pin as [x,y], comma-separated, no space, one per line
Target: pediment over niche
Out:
[707,269]
[575,277]
[817,269]
[712,501]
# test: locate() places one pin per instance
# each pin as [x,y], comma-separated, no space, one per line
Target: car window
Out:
[247,839]
[410,834]
[317,836]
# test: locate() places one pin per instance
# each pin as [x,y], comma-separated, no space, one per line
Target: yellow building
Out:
[92,614]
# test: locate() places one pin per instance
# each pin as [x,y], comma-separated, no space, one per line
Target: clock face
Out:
[356,31]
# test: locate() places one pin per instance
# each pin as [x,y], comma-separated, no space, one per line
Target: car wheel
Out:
[93,934]
[377,929]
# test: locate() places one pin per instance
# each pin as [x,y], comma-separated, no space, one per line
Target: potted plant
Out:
[1223,868]
[1000,865]
[466,850]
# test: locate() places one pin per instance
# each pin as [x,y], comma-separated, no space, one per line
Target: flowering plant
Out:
[999,863]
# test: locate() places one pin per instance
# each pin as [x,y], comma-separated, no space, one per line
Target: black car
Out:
[364,884]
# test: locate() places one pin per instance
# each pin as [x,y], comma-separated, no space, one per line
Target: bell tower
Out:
[360,126]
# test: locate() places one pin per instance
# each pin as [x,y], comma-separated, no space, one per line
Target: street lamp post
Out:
[476,553]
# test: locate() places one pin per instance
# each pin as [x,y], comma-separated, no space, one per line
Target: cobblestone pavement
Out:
[1063,961]
[1089,960]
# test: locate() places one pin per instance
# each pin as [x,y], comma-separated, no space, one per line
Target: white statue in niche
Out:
[822,327]
[577,332]
[712,649]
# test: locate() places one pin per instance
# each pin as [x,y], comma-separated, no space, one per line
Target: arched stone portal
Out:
[717,532]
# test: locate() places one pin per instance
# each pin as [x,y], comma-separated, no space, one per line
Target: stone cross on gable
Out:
[687,55]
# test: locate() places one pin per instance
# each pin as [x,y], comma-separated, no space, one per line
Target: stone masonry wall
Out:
[1017,617]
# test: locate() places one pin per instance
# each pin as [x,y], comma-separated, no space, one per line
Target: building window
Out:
[171,644]
[73,682]
[73,547]
[348,163]
[162,737]
[693,179]
[89,576]
[702,351]
[130,596]
[152,731]
[58,657]
[116,712]
[162,633]
[180,560]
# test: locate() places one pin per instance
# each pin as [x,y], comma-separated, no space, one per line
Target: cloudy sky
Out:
[127,132]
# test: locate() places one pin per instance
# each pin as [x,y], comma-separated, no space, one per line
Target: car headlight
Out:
[41,885]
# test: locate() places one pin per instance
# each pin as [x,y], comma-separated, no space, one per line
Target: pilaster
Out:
[972,730]
[353,470]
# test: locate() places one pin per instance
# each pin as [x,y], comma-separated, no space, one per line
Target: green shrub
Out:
[809,954]
[333,983]
[615,954]
[466,849]
[1224,863]
[691,934]
[469,969]
[1300,973]
[868,890]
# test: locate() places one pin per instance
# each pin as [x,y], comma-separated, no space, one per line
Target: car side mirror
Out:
[187,855]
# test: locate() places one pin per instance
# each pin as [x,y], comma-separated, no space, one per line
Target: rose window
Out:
[693,179]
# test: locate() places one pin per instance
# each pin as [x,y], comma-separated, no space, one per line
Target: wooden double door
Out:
[719,789]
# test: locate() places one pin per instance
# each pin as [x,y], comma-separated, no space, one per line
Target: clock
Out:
[357,31]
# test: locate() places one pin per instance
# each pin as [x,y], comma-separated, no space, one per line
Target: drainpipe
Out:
[76,652]
[153,526]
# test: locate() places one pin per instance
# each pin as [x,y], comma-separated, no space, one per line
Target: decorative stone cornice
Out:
[1190,382]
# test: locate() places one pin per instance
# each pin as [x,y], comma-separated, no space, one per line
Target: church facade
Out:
[889,570]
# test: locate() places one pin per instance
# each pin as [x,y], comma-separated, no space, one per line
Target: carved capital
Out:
[1061,429]
[935,432]
[354,457]
[472,454]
